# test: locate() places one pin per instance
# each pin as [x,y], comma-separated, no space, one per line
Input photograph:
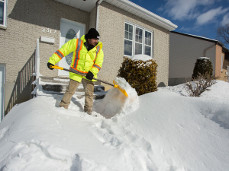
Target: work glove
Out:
[50,65]
[89,75]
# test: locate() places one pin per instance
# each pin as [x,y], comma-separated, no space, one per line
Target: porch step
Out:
[54,84]
[60,84]
[58,80]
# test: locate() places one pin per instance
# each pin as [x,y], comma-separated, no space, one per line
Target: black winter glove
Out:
[50,65]
[89,75]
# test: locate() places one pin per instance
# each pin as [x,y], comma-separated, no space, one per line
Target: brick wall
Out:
[27,21]
[111,25]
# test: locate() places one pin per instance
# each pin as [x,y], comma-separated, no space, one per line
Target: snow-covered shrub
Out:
[203,68]
[199,85]
[140,74]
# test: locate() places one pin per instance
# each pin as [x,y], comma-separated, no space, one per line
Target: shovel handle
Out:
[113,85]
[57,67]
[61,68]
[103,82]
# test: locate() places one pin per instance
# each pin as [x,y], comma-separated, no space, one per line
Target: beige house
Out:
[31,31]
[185,49]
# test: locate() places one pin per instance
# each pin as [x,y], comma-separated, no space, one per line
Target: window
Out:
[70,35]
[128,40]
[137,41]
[2,12]
[148,43]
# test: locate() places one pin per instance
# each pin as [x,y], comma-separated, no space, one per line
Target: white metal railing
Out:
[37,70]
[27,79]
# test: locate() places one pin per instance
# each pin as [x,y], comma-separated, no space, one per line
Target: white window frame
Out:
[145,30]
[143,39]
[131,40]
[4,15]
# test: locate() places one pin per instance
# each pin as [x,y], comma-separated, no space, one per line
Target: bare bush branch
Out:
[199,85]
[223,33]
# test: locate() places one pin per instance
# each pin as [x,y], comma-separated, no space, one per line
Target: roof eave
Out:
[139,11]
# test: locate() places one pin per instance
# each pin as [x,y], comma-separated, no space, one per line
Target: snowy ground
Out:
[164,131]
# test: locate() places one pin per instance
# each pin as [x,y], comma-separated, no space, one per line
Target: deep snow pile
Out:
[168,132]
[116,102]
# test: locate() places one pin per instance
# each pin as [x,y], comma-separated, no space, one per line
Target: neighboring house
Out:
[226,65]
[185,49]
[125,28]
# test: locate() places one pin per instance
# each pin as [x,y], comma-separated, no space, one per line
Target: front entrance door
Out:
[69,30]
[2,85]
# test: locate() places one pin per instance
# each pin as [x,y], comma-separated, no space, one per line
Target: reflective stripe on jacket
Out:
[83,60]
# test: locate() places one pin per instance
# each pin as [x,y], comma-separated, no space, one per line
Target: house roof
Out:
[198,37]
[126,5]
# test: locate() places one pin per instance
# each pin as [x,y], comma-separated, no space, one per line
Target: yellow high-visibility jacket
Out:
[83,60]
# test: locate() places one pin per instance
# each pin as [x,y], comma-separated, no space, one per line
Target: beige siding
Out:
[92,23]
[111,25]
[26,22]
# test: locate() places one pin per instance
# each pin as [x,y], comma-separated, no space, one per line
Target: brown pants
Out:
[89,90]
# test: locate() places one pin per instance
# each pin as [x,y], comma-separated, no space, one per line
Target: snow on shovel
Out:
[115,84]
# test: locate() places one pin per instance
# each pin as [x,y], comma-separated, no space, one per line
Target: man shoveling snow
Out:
[86,63]
[87,60]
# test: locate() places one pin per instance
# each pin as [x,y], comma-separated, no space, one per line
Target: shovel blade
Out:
[120,89]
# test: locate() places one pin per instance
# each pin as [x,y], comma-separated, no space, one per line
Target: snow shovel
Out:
[115,85]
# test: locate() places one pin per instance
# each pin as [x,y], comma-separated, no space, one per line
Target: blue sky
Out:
[198,17]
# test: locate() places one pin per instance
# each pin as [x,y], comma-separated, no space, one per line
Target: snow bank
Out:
[116,102]
[167,132]
[214,103]
[36,154]
[40,156]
